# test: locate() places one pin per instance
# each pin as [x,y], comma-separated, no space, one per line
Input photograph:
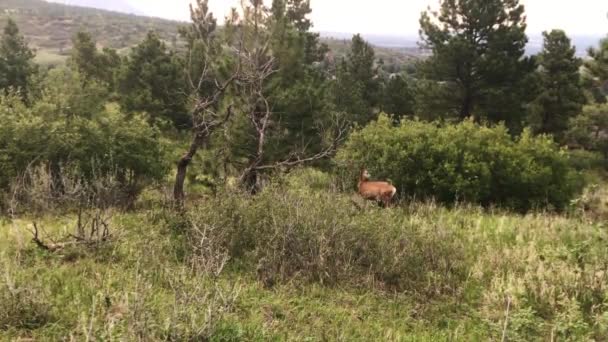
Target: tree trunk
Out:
[251,178]
[465,108]
[251,181]
[182,170]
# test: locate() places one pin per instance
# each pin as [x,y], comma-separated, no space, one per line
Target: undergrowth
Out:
[306,263]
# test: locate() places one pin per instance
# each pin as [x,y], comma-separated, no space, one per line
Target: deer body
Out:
[376,191]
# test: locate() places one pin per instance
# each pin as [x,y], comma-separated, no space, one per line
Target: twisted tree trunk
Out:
[182,170]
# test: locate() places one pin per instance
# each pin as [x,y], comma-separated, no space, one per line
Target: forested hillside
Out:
[256,182]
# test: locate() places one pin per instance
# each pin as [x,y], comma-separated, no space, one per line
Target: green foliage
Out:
[397,96]
[16,61]
[478,59]
[297,92]
[590,129]
[355,90]
[348,95]
[92,64]
[70,125]
[360,63]
[464,162]
[152,81]
[597,69]
[584,160]
[561,97]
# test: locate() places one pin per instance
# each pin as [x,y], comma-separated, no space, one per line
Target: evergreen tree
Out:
[297,91]
[360,63]
[597,67]
[16,61]
[152,81]
[84,55]
[478,57]
[397,96]
[92,64]
[561,97]
[356,90]
[349,95]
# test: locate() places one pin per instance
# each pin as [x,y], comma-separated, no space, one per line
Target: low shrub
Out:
[318,236]
[464,162]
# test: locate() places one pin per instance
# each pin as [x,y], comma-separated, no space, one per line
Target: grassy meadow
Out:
[305,263]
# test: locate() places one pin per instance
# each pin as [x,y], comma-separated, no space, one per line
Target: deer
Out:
[381,192]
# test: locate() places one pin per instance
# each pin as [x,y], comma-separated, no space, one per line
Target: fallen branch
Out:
[54,247]
[37,240]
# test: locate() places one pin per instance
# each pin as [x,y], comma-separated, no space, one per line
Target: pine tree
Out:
[92,64]
[597,67]
[360,63]
[349,95]
[561,97]
[397,96]
[152,81]
[478,57]
[356,89]
[297,91]
[84,54]
[16,61]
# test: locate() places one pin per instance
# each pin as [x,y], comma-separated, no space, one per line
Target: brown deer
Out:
[382,192]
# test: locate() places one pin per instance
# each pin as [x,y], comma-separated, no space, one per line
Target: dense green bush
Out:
[464,162]
[70,124]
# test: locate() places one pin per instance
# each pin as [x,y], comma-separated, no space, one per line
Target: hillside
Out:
[110,5]
[49,28]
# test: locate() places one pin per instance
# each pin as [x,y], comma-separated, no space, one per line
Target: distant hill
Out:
[50,26]
[110,5]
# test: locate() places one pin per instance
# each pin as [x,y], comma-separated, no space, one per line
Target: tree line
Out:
[262,93]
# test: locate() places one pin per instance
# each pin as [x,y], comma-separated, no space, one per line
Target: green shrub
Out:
[318,236]
[70,126]
[464,162]
[583,160]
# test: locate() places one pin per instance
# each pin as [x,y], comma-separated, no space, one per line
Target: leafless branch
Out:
[296,159]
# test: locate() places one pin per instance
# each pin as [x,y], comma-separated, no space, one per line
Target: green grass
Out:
[138,277]
[49,58]
[145,285]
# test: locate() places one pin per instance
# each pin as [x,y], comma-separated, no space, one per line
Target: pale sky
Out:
[400,17]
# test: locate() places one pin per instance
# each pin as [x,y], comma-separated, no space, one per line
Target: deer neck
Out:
[362,180]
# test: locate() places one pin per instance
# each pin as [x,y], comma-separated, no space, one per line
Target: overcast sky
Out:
[400,17]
